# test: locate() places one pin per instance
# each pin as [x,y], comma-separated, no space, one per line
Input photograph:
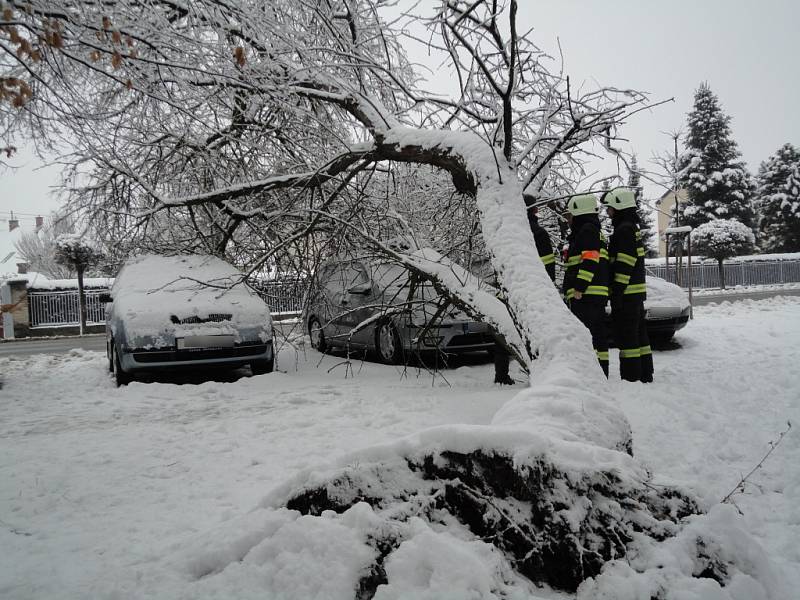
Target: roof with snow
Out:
[8,251]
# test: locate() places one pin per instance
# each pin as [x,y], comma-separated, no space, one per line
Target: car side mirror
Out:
[105,297]
[364,289]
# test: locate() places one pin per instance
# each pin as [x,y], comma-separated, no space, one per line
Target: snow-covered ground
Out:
[105,492]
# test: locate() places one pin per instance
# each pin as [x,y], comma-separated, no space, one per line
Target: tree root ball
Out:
[552,526]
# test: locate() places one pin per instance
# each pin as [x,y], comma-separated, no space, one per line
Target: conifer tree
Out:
[779,200]
[605,221]
[718,183]
[649,237]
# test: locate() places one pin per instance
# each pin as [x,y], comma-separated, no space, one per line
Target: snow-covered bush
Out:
[72,251]
[721,239]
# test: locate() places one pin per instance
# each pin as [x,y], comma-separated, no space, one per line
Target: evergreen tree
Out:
[605,221]
[718,183]
[779,200]
[649,237]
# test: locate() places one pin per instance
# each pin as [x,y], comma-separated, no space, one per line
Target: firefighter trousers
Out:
[630,334]
[591,311]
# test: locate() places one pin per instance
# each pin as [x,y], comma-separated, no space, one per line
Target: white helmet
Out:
[619,198]
[583,204]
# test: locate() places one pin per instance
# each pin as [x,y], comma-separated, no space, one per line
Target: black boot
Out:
[501,362]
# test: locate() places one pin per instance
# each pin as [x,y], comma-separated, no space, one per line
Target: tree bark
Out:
[721,273]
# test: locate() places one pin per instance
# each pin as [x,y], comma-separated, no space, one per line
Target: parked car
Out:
[370,305]
[666,309]
[166,312]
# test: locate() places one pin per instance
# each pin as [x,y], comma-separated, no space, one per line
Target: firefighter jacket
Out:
[586,260]
[626,256]
[543,245]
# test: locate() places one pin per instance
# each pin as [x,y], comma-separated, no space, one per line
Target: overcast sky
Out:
[745,50]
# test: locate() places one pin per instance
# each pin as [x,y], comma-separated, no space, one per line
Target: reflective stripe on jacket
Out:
[587,261]
[626,257]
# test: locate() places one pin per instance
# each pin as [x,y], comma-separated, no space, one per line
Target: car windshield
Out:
[395,281]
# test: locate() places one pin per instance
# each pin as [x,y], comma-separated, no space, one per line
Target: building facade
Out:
[665,206]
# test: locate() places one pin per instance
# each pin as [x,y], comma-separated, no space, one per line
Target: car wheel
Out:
[261,367]
[120,376]
[109,357]
[317,335]
[387,344]
[662,337]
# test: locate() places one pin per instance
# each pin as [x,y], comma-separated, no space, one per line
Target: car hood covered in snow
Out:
[662,293]
[173,296]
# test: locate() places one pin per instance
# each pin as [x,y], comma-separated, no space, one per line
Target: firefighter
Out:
[628,288]
[586,277]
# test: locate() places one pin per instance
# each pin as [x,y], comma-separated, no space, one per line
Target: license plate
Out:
[205,341]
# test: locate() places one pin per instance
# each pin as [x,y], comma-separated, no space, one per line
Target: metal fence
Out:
[56,308]
[706,275]
[282,296]
[52,309]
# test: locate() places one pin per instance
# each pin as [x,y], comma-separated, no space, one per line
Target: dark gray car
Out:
[371,305]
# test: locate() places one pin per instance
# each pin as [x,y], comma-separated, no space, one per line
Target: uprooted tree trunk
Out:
[561,512]
[554,527]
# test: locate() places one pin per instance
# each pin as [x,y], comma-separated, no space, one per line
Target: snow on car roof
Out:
[148,272]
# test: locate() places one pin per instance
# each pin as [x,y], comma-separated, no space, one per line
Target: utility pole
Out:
[675,188]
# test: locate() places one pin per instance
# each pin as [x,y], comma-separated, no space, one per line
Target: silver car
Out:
[666,309]
[374,306]
[167,312]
